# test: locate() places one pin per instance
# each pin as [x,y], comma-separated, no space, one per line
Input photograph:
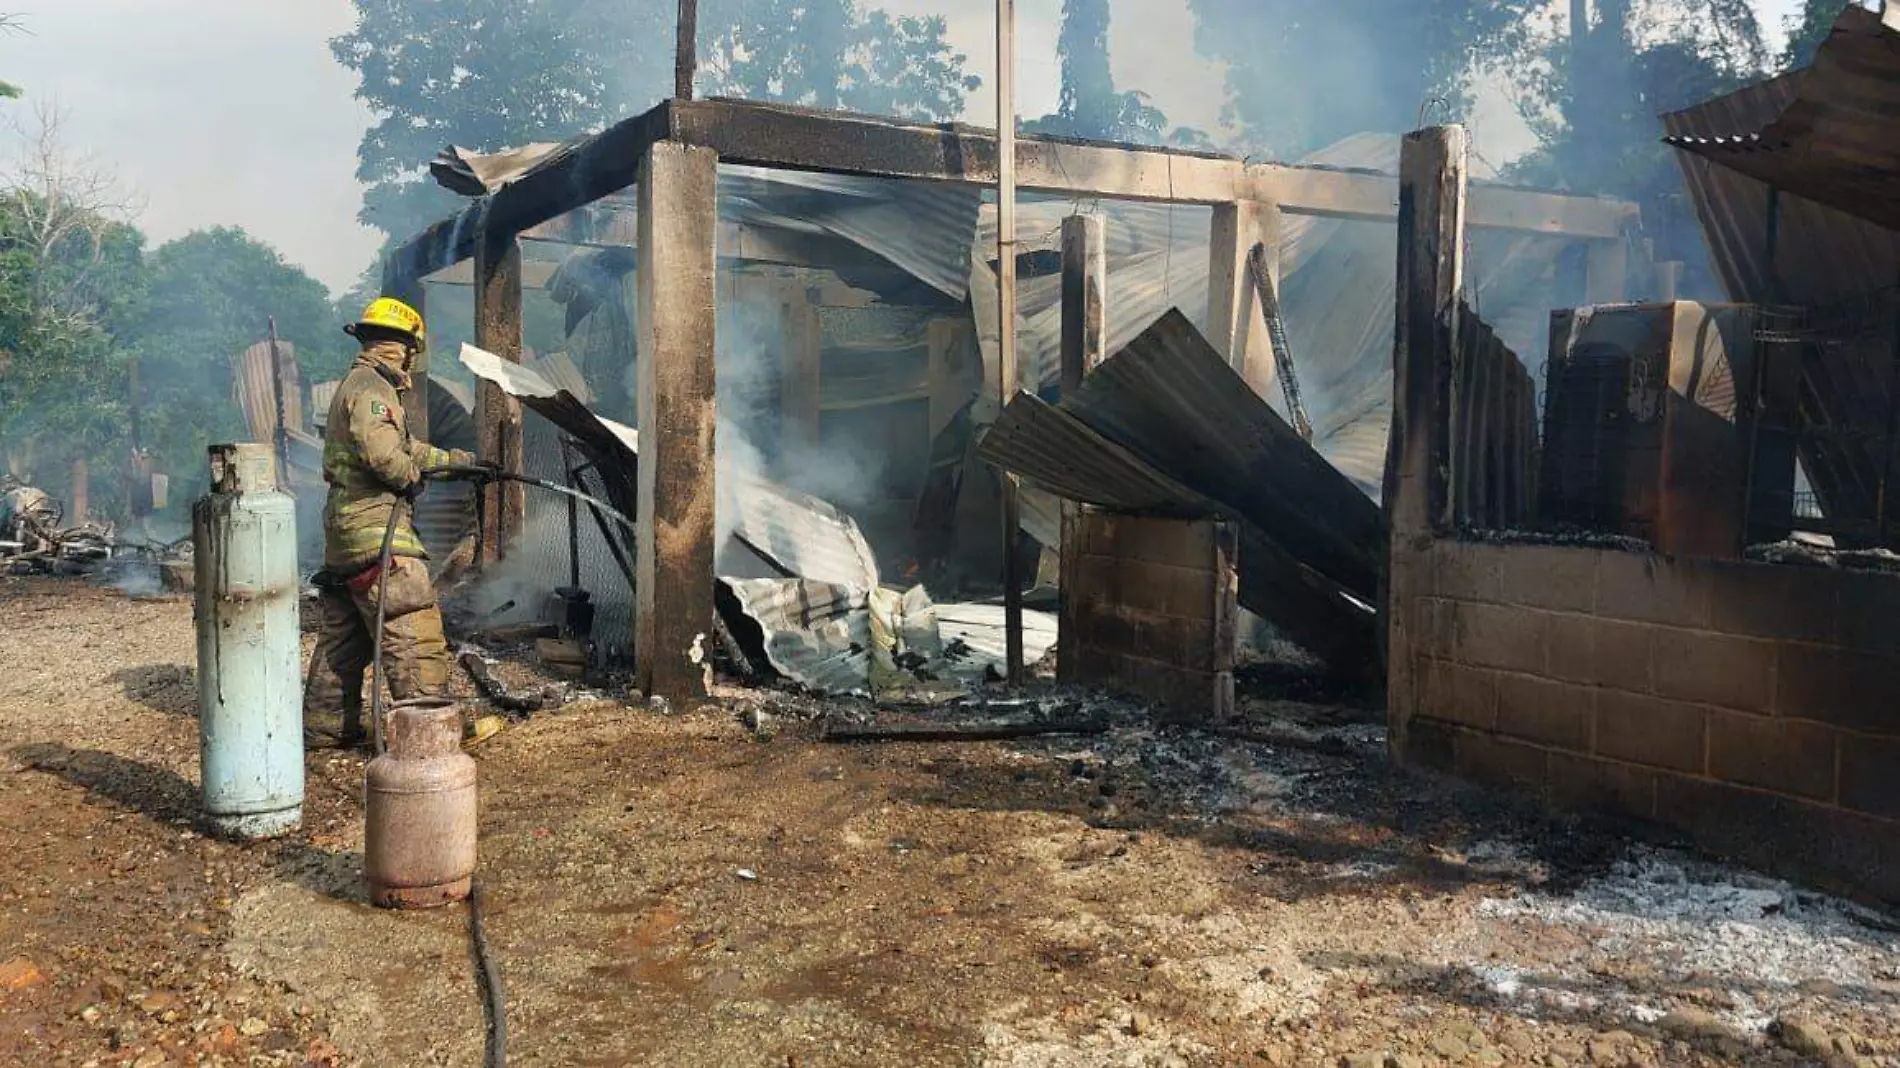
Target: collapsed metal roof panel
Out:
[1170,398]
[817,633]
[1038,440]
[799,534]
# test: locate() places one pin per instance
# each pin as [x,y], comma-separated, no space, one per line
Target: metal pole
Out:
[573,515]
[1010,378]
[686,50]
[281,439]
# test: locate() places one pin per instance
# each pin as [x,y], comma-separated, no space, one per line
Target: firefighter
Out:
[372,465]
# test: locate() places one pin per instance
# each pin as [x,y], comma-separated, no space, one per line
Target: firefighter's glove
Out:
[415,489]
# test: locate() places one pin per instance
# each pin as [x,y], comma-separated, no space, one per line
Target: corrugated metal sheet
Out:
[822,636]
[922,228]
[446,514]
[817,633]
[1833,140]
[1170,398]
[1038,440]
[800,535]
[974,638]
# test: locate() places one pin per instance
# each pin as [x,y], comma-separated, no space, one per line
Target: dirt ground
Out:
[721,888]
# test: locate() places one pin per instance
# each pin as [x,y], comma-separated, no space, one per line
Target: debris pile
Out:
[33,539]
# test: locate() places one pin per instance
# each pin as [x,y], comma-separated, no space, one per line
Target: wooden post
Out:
[673,564]
[415,403]
[685,49]
[79,506]
[1084,333]
[1234,320]
[497,415]
[1084,282]
[1006,314]
[1430,275]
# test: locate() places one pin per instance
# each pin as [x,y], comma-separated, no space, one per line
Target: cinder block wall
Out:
[1150,608]
[1754,707]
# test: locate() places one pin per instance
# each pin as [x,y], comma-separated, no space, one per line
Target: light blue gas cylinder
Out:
[250,691]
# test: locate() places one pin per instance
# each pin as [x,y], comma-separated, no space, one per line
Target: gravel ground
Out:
[720,887]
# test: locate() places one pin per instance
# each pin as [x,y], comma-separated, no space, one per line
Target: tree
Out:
[70,279]
[209,296]
[1807,30]
[1304,75]
[491,74]
[1089,105]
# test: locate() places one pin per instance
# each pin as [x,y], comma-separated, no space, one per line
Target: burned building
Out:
[811,294]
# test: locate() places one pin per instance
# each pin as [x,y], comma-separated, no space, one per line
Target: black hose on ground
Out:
[488,978]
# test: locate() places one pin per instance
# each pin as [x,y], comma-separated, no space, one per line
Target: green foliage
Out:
[68,281]
[1304,75]
[1807,30]
[1090,106]
[210,296]
[492,74]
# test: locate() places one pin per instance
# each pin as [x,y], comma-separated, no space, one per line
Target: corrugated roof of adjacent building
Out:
[1830,251]
[1832,138]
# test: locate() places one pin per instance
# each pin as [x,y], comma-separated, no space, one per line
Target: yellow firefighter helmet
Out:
[390,314]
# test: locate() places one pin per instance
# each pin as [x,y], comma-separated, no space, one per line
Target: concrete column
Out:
[1084,285]
[1416,495]
[497,415]
[674,559]
[1235,325]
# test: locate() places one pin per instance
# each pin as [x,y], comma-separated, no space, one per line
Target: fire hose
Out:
[487,975]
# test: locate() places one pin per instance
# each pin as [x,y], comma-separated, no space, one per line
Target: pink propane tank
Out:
[419,837]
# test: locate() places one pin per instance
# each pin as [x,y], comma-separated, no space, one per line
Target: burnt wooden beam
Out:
[497,415]
[1426,328]
[673,562]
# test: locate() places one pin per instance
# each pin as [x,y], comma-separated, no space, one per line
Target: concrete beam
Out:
[1416,494]
[497,415]
[678,191]
[770,135]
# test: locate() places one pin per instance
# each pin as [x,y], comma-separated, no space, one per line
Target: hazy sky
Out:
[232,111]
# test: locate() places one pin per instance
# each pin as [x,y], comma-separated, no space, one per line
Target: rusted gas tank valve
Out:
[420,808]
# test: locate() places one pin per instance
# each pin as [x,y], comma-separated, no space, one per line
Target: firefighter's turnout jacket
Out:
[370,461]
